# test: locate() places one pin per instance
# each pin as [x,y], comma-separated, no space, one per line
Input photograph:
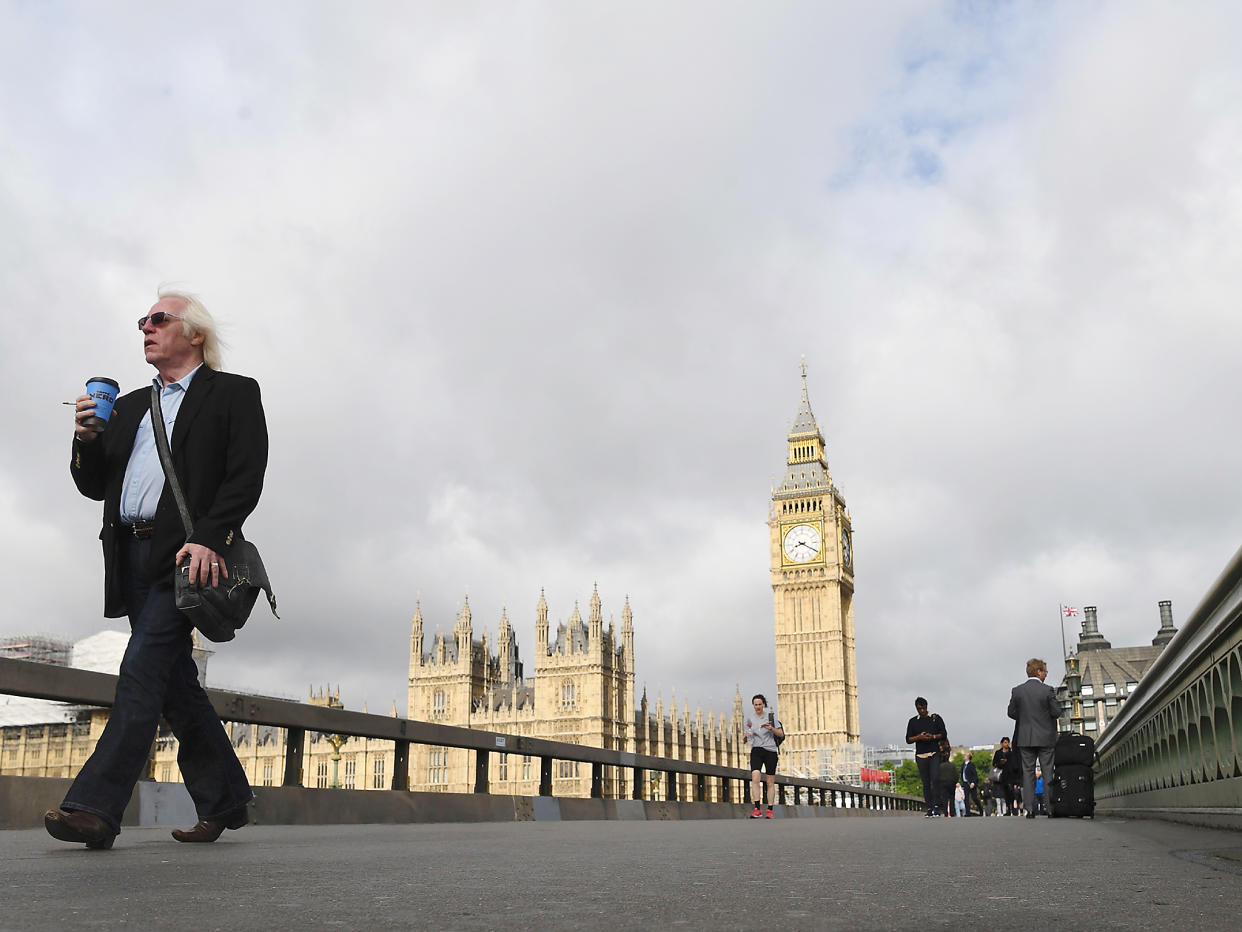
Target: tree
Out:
[906,778]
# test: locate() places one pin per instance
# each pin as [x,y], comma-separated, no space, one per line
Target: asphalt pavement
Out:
[784,874]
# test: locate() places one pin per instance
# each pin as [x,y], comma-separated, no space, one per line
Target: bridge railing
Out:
[67,684]
[1175,748]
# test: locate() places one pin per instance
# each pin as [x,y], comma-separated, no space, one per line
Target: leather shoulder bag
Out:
[217,611]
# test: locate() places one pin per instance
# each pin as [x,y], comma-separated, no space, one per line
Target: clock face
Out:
[847,549]
[802,543]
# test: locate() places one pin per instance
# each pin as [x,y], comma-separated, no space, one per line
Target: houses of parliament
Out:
[581,685]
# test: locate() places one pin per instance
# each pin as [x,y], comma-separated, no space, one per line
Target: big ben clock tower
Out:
[812,559]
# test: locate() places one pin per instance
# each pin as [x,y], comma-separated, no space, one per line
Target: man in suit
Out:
[1034,707]
[970,783]
[218,438]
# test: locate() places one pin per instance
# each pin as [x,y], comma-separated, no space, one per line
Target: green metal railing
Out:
[1175,748]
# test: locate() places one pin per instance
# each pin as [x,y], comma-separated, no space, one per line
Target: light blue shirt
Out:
[144,476]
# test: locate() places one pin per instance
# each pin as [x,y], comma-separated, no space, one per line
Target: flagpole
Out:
[1064,649]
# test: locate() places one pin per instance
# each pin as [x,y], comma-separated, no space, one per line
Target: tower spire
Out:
[807,460]
[541,625]
[804,421]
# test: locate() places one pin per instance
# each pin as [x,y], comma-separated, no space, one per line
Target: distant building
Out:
[40,738]
[896,753]
[1100,677]
[38,648]
[580,690]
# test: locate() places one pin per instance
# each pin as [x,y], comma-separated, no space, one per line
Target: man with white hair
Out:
[218,439]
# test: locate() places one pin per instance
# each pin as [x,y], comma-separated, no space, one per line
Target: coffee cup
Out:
[103,392]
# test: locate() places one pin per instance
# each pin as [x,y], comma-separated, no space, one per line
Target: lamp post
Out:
[1073,689]
[336,741]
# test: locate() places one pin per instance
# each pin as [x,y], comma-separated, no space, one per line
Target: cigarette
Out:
[74,403]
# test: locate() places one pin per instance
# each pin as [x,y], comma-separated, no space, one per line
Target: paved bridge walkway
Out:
[787,874]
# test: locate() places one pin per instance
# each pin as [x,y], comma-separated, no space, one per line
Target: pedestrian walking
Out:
[219,451]
[925,731]
[1005,772]
[948,780]
[764,731]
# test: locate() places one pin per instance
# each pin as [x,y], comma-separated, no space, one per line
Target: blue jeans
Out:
[158,675]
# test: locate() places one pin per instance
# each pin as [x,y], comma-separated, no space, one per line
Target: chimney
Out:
[1091,639]
[1166,632]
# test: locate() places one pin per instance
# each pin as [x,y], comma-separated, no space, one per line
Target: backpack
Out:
[779,739]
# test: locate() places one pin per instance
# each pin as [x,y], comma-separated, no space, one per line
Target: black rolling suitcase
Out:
[1073,749]
[1073,792]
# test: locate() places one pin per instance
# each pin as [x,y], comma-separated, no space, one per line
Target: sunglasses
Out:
[157,318]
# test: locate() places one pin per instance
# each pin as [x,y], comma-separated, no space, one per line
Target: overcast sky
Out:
[527,286]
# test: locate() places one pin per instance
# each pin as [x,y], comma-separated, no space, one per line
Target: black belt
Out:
[142,530]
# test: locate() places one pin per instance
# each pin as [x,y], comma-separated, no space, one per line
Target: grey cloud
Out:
[527,293]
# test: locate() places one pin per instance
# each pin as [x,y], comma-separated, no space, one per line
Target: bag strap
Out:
[161,444]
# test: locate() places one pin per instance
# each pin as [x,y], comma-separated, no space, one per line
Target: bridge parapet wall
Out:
[1175,749]
[695,789]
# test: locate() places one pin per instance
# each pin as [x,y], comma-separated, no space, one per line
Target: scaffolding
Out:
[841,763]
[38,648]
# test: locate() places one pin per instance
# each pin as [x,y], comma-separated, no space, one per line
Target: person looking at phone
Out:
[762,731]
[926,732]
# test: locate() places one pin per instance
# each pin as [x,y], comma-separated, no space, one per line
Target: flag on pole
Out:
[1068,612]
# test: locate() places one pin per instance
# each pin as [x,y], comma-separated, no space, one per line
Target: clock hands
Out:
[802,543]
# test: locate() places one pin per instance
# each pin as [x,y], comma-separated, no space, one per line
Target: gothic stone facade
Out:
[580,691]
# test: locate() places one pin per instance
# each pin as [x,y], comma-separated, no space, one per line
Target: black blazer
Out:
[1008,762]
[219,450]
[971,773]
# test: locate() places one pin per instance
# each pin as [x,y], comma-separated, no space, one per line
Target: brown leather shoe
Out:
[72,825]
[208,830]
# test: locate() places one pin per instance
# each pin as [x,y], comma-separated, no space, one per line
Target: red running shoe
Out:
[755,813]
[768,814]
